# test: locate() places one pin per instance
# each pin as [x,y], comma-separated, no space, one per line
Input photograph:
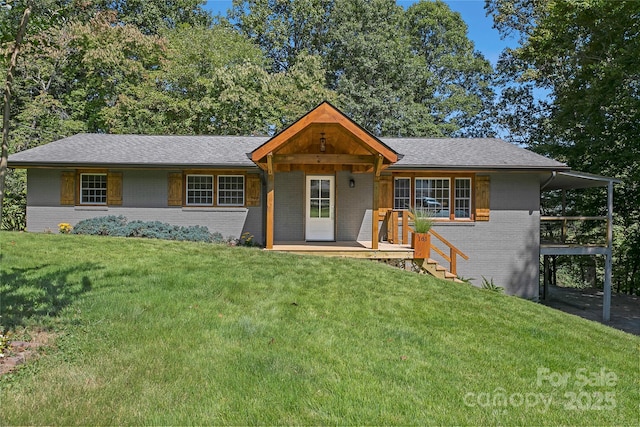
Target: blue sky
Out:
[486,39]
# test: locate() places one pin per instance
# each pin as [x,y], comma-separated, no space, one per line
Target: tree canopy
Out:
[585,56]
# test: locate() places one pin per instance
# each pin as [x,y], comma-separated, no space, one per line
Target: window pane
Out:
[462,198]
[325,188]
[93,189]
[314,211]
[324,211]
[315,188]
[200,190]
[402,193]
[231,190]
[432,196]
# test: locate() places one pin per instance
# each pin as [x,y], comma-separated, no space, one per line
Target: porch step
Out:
[432,267]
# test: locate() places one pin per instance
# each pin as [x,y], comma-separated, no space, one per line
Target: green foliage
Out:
[119,227]
[584,56]
[490,286]
[15,201]
[389,75]
[422,220]
[4,342]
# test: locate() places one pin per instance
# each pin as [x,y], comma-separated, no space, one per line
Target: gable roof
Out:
[327,115]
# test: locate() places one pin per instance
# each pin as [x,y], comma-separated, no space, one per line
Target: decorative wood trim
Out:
[270,164]
[323,159]
[114,188]
[253,190]
[174,189]
[386,192]
[482,197]
[68,188]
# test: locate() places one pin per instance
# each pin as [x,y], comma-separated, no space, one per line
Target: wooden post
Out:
[374,212]
[377,168]
[405,227]
[452,257]
[270,202]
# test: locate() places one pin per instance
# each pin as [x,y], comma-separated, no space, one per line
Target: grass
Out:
[155,332]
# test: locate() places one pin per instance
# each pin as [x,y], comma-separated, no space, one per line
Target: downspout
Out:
[548,181]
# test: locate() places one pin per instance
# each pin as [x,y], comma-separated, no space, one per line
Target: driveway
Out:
[587,303]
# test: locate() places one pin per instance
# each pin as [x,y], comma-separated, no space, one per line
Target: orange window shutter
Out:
[483,184]
[175,189]
[68,188]
[385,201]
[253,190]
[114,188]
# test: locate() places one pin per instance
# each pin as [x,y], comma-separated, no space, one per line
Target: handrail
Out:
[567,231]
[453,251]
[573,218]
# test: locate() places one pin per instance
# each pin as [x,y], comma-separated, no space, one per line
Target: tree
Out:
[585,55]
[4,151]
[457,79]
[284,29]
[377,60]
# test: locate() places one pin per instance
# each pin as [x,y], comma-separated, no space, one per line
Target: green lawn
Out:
[154,332]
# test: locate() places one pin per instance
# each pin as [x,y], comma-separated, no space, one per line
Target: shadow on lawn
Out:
[40,292]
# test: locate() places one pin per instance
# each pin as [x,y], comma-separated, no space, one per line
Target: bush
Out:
[119,227]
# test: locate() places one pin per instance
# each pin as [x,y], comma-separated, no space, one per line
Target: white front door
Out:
[320,221]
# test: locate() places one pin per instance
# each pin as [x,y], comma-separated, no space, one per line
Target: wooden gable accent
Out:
[347,145]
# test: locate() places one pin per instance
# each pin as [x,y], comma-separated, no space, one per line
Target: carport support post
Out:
[608,264]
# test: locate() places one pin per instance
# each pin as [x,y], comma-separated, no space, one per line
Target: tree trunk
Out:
[4,159]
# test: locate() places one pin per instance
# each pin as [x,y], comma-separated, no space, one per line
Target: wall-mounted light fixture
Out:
[352,183]
[323,143]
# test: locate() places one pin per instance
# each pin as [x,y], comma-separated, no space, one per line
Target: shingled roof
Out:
[146,151]
[142,151]
[465,153]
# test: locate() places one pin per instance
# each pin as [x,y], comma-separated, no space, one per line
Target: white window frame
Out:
[468,199]
[223,192]
[83,197]
[190,190]
[444,202]
[396,199]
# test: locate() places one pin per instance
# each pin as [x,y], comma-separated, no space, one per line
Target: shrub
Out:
[101,226]
[118,226]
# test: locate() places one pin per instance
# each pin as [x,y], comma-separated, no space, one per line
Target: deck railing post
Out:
[452,255]
[405,227]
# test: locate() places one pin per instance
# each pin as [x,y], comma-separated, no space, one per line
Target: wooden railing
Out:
[585,230]
[391,226]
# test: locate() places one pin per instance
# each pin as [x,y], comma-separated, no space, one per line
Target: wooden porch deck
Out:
[347,249]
